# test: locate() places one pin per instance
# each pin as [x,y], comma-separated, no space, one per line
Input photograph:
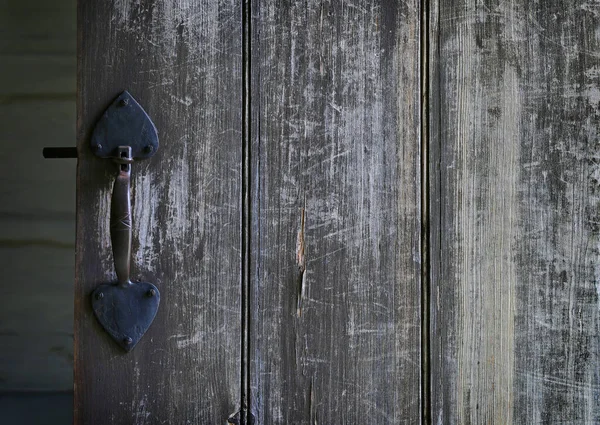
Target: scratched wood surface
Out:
[182,62]
[514,212]
[335,291]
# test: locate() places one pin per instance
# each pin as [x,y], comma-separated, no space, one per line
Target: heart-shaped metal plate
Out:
[126,311]
[125,123]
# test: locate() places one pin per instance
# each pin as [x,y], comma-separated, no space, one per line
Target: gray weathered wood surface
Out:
[335,288]
[182,62]
[514,212]
[335,283]
[37,196]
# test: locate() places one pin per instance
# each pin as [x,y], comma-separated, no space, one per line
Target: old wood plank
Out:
[36,316]
[37,198]
[38,27]
[36,77]
[37,221]
[36,408]
[514,147]
[182,61]
[37,195]
[37,49]
[335,294]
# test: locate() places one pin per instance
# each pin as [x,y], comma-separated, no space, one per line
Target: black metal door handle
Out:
[120,216]
[124,134]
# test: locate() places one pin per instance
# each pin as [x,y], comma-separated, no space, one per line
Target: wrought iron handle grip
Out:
[125,309]
[120,217]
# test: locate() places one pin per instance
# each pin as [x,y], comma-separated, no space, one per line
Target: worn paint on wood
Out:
[514,212]
[182,62]
[335,232]
[335,289]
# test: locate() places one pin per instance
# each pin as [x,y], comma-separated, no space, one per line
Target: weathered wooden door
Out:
[360,212]
[513,164]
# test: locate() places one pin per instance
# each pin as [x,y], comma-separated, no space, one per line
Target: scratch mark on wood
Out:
[172,55]
[301,262]
[515,192]
[311,402]
[335,126]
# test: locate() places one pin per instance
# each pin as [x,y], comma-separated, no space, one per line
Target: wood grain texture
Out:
[37,408]
[38,27]
[37,243]
[37,50]
[335,291]
[36,316]
[514,212]
[181,61]
[37,196]
[36,77]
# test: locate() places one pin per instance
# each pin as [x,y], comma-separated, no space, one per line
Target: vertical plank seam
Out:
[425,230]
[245,216]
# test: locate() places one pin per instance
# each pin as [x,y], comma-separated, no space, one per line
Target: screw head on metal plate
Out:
[125,123]
[126,311]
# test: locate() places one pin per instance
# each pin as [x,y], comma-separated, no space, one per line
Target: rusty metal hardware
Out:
[125,309]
